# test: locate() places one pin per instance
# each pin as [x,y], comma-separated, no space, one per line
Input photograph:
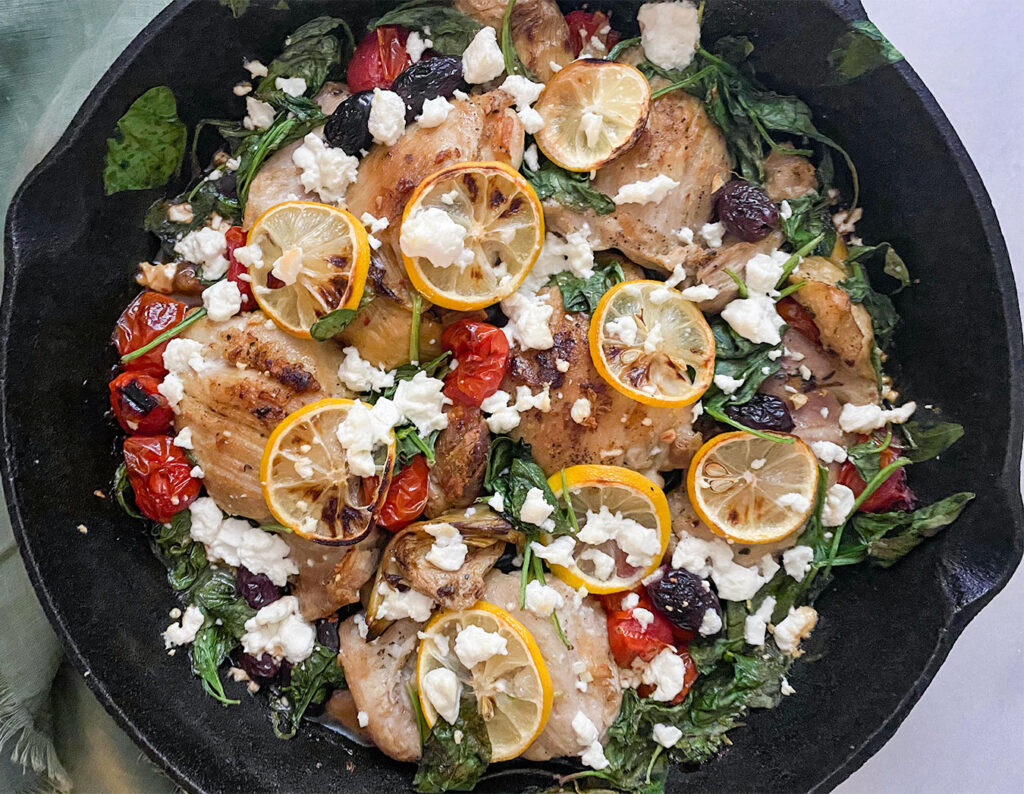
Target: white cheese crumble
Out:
[666,735]
[421,401]
[580,411]
[185,632]
[249,255]
[604,564]
[278,629]
[363,719]
[172,388]
[326,171]
[255,68]
[645,191]
[728,384]
[287,267]
[710,623]
[622,329]
[235,542]
[557,552]
[432,233]
[763,272]
[639,543]
[435,112]
[532,157]
[360,375]
[182,355]
[205,247]
[482,61]
[630,601]
[416,45]
[442,689]
[755,318]
[700,292]
[363,430]
[827,452]
[222,301]
[259,114]
[798,624]
[387,117]
[785,210]
[592,753]
[867,418]
[785,687]
[180,213]
[669,33]
[497,502]
[536,510]
[838,503]
[714,559]
[474,645]
[643,616]
[712,233]
[292,86]
[525,92]
[448,551]
[184,438]
[666,672]
[797,561]
[504,415]
[396,604]
[542,599]
[796,502]
[755,625]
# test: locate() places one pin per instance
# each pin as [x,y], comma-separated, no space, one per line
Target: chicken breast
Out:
[788,176]
[254,376]
[539,32]
[378,675]
[588,660]
[680,142]
[331,576]
[457,477]
[619,431]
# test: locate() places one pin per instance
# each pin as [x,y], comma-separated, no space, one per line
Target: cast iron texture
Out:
[71,253]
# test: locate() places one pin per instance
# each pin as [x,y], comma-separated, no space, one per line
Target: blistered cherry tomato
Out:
[585,25]
[893,494]
[799,319]
[160,476]
[406,497]
[235,238]
[481,350]
[629,639]
[138,406]
[148,316]
[379,59]
[689,676]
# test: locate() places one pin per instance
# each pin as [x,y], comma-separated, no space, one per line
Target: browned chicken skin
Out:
[331,576]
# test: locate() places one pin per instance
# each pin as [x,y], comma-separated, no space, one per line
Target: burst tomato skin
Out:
[138,406]
[378,59]
[482,352]
[584,25]
[235,238]
[628,638]
[406,497]
[893,494]
[146,317]
[798,318]
[159,473]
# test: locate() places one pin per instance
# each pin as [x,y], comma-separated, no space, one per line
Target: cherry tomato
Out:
[236,239]
[893,494]
[585,25]
[159,474]
[689,677]
[137,404]
[379,59]
[406,497]
[628,638]
[482,352]
[799,319]
[148,316]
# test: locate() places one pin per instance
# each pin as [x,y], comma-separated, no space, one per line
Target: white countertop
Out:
[967,732]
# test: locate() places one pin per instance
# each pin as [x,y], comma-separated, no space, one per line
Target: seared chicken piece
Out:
[539,32]
[461,450]
[378,674]
[584,628]
[788,176]
[682,143]
[733,255]
[618,432]
[254,377]
[330,576]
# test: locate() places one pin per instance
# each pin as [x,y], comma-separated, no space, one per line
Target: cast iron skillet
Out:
[70,256]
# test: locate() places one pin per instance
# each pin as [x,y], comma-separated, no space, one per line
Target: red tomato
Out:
[379,59]
[893,494]
[482,352]
[585,25]
[137,404]
[148,316]
[629,639]
[406,497]
[159,474]
[236,239]
[799,319]
[688,678]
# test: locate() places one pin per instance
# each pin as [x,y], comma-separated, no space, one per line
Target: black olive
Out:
[429,79]
[327,633]
[262,669]
[762,412]
[347,128]
[683,598]
[745,210]
[256,588]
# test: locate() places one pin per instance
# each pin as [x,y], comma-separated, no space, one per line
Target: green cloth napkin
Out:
[54,735]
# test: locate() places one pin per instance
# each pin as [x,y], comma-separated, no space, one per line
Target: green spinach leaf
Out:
[866,457]
[149,145]
[888,537]
[927,442]
[312,52]
[860,50]
[184,558]
[567,188]
[450,765]
[310,682]
[512,472]
[508,48]
[451,31]
[211,647]
[811,217]
[409,443]
[237,7]
[122,492]
[216,594]
[884,318]
[205,199]
[583,295]
[885,255]
[333,323]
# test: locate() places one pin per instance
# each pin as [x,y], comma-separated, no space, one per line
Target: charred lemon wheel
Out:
[321,255]
[753,490]
[503,226]
[652,344]
[306,481]
[513,690]
[593,111]
[627,495]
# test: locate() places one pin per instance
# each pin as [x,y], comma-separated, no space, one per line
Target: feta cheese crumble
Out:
[711,623]
[700,292]
[387,117]
[557,552]
[222,301]
[360,375]
[432,233]
[435,112]
[205,247]
[235,542]
[797,561]
[442,689]
[639,543]
[259,114]
[669,33]
[827,452]
[536,509]
[728,384]
[421,401]
[184,632]
[182,355]
[796,502]
[592,754]
[448,552]
[666,672]
[755,625]
[397,604]
[755,318]
[525,92]
[712,233]
[474,645]
[326,171]
[292,86]
[580,411]
[278,629]
[799,623]
[838,503]
[416,45]
[867,418]
[714,559]
[482,61]
[666,735]
[363,430]
[542,599]
[646,191]
[532,157]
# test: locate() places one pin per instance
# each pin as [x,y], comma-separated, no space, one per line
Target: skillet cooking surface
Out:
[883,634]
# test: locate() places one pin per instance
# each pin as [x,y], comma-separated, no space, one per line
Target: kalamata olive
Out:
[327,633]
[262,669]
[762,412]
[256,588]
[429,79]
[745,210]
[683,598]
[346,128]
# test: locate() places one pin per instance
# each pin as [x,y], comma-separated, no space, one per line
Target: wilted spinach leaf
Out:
[149,145]
[409,443]
[449,765]
[451,31]
[312,52]
[567,188]
[310,682]
[123,494]
[512,472]
[884,318]
[927,442]
[184,558]
[888,537]
[331,324]
[237,7]
[211,647]
[216,594]
[811,217]
[583,295]
[861,50]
